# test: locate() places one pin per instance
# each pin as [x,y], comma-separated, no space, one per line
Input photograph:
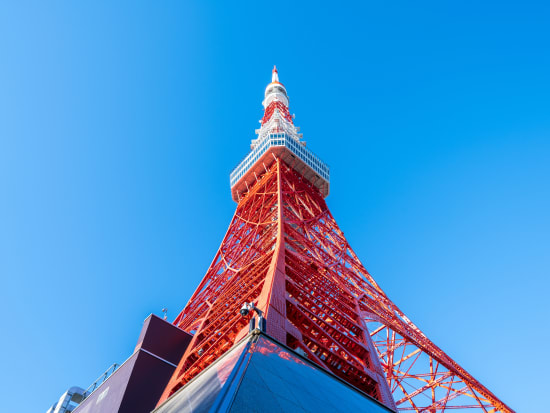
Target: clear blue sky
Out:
[119,125]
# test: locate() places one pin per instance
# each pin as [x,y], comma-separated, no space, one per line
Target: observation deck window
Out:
[279,139]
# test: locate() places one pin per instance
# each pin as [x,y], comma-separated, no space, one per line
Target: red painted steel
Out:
[276,105]
[284,252]
[278,254]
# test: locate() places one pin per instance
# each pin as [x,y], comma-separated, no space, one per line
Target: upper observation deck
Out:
[278,138]
[290,151]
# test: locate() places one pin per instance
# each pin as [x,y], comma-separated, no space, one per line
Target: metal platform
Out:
[286,148]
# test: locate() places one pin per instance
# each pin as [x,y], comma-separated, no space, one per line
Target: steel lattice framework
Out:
[273,106]
[296,264]
[284,252]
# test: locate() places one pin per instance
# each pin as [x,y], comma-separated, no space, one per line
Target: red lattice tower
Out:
[284,252]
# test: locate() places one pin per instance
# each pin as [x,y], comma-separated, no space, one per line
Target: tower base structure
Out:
[260,374]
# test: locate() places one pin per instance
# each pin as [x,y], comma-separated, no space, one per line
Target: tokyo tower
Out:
[287,316]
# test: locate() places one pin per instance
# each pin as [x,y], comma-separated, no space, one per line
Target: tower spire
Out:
[279,136]
[274,74]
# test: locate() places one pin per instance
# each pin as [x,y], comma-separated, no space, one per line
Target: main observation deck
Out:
[286,148]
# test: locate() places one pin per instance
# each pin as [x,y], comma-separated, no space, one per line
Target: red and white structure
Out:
[278,138]
[284,252]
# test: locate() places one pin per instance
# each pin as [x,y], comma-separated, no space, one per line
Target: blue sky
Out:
[119,125]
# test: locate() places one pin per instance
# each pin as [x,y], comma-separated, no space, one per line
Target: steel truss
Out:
[284,252]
